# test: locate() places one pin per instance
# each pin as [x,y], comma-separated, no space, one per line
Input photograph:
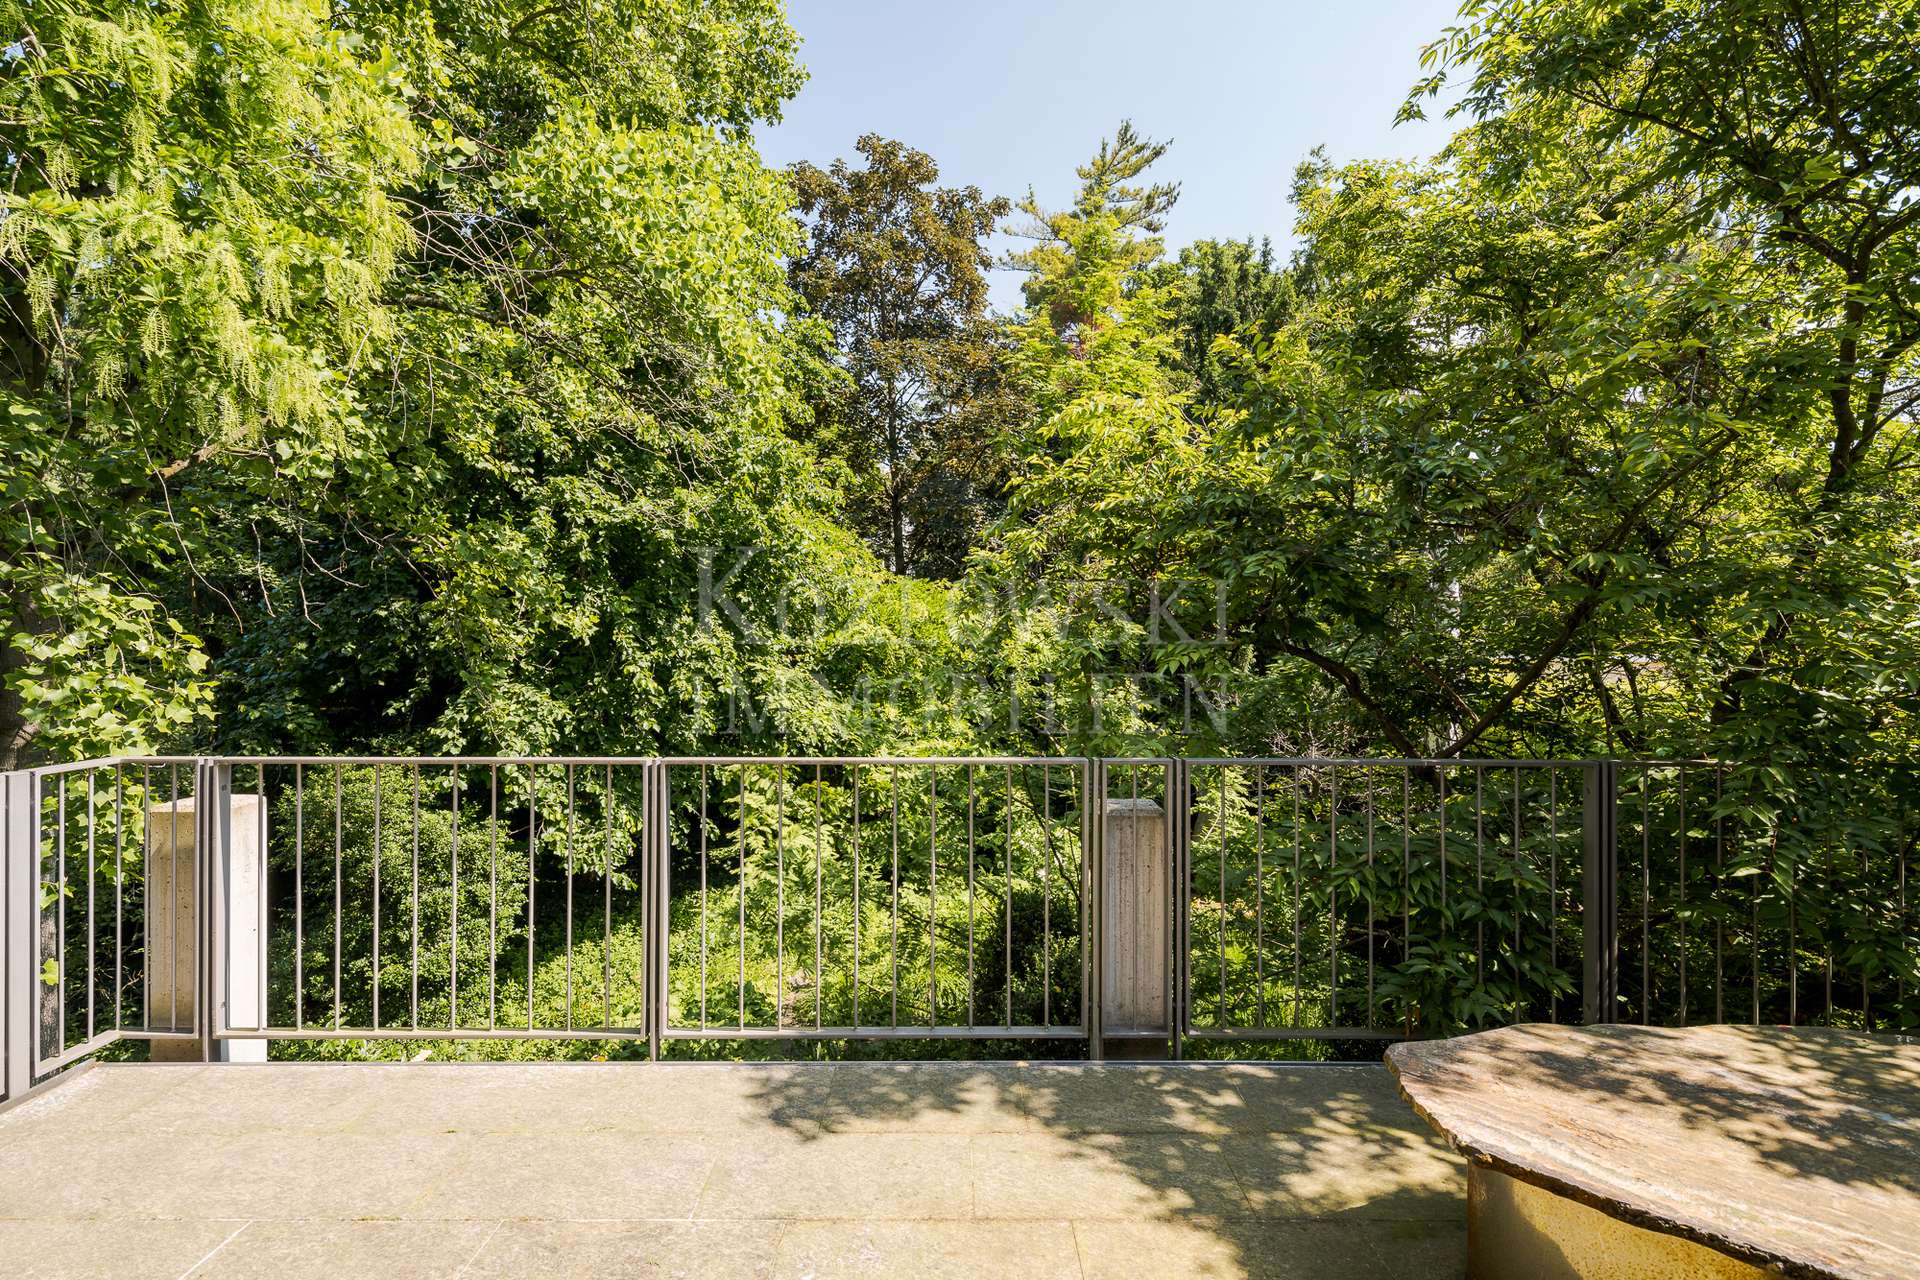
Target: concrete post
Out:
[1135,1019]
[175,927]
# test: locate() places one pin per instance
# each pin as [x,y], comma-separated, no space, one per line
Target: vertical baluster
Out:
[119,876]
[1793,944]
[339,876]
[299,899]
[1087,925]
[856,896]
[1519,895]
[703,897]
[1826,918]
[263,912]
[173,934]
[819,901]
[1479,876]
[1133,785]
[567,963]
[1007,895]
[1680,903]
[1259,987]
[1440,779]
[1298,835]
[413,887]
[742,895]
[1553,884]
[1046,897]
[1866,1007]
[93,949]
[606,896]
[1719,879]
[378,836]
[1370,781]
[779,895]
[533,862]
[972,1018]
[146,952]
[493,894]
[1900,983]
[60,782]
[1646,898]
[453,906]
[1333,895]
[893,941]
[1406,868]
[1259,896]
[1753,933]
[933,895]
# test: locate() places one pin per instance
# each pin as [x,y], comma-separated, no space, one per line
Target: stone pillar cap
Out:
[238,800]
[1141,807]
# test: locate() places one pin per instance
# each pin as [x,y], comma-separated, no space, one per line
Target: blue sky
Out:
[1010,95]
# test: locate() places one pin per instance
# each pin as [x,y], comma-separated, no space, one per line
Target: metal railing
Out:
[868,898]
[79,967]
[1324,876]
[899,960]
[405,899]
[1740,901]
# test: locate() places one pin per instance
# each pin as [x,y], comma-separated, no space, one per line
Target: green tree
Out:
[1222,289]
[1478,478]
[896,267]
[585,526]
[1100,363]
[1579,441]
[1086,257]
[198,224]
[1792,132]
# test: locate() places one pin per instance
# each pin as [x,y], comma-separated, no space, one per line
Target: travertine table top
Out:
[1797,1148]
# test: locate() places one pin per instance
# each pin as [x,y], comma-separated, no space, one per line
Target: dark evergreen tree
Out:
[896,266]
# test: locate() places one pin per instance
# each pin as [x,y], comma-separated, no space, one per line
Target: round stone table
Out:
[1708,1151]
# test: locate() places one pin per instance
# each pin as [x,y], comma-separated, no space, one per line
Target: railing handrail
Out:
[903,762]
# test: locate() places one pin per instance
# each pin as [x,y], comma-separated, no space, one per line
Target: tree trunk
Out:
[50,1038]
[15,732]
[896,517]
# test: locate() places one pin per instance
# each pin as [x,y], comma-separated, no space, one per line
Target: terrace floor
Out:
[722,1170]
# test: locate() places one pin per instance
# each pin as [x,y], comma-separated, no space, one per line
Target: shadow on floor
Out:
[1200,1169]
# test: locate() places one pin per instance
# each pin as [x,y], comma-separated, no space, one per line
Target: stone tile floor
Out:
[725,1170]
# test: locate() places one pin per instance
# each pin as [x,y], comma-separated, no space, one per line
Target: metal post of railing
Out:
[654,875]
[212,791]
[648,823]
[18,928]
[1180,850]
[1600,879]
[1094,926]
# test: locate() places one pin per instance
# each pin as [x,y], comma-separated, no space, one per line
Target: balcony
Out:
[434,924]
[717,1170]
